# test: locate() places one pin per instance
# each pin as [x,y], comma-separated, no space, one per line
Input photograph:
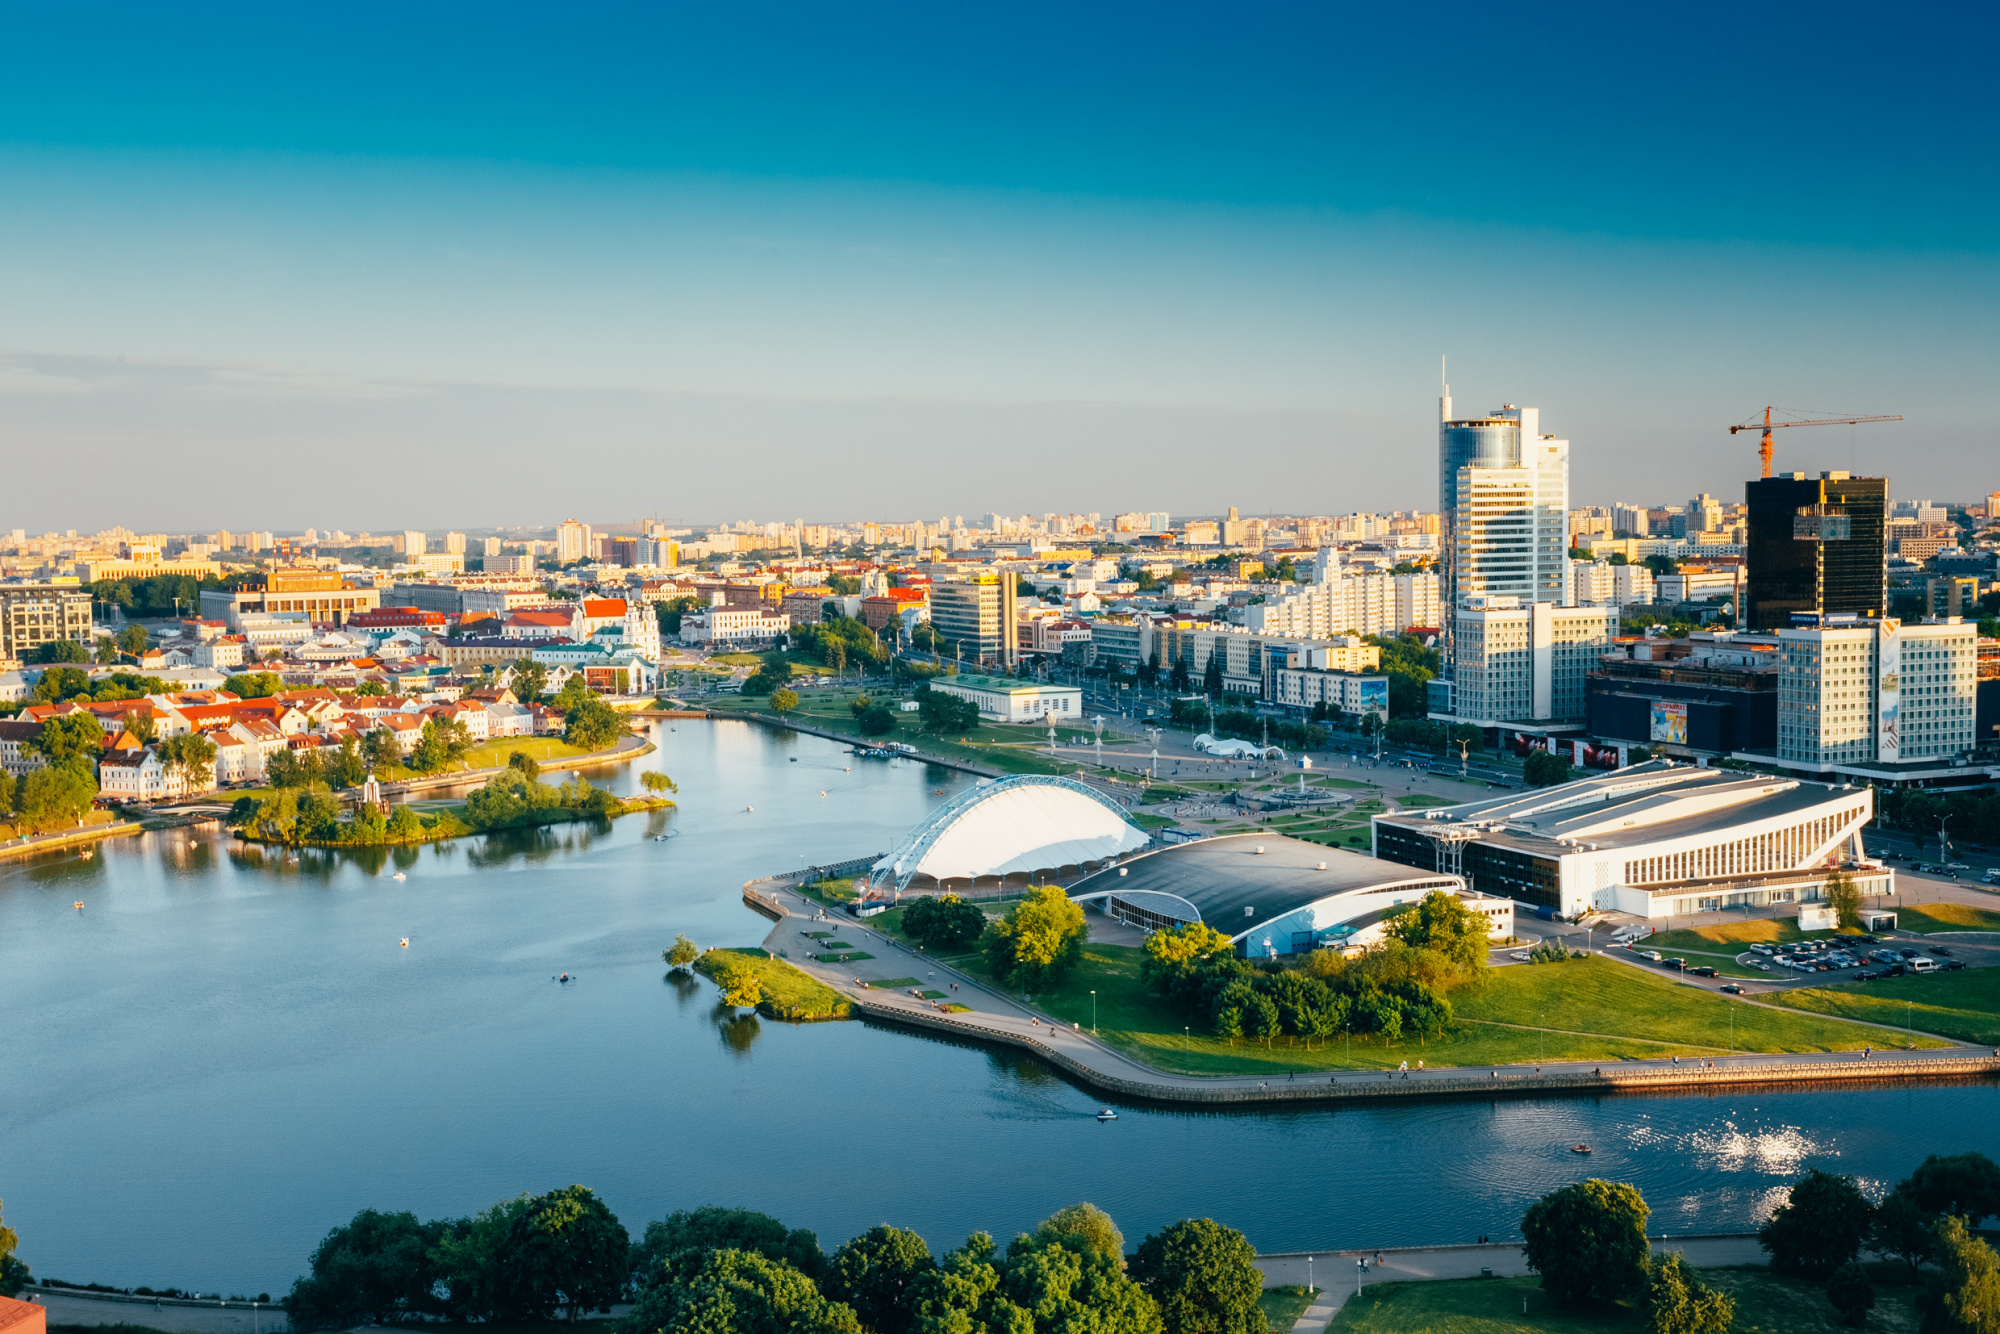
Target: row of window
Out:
[1778,850]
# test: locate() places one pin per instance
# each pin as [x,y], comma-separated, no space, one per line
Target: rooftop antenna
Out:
[1444,399]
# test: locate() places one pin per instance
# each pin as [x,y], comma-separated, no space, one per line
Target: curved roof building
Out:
[1270,894]
[1014,827]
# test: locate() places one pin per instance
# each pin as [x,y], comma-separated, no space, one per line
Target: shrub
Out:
[1851,1293]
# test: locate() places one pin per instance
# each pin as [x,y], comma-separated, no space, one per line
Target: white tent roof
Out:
[1015,826]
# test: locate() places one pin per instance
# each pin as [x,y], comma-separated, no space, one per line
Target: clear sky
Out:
[455,265]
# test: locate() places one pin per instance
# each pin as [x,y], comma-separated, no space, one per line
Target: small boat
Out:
[399,876]
[822,792]
[406,942]
[79,905]
[1107,1115]
[748,809]
[86,854]
[795,759]
[1579,1148]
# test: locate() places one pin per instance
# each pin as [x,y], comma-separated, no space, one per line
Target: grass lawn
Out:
[895,983]
[1963,1005]
[1145,821]
[495,753]
[788,993]
[1425,799]
[1586,1010]
[1765,1304]
[854,957]
[1946,917]
[1741,935]
[1284,1305]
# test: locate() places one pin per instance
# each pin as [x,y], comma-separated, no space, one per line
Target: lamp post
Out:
[1309,1276]
[1185,1054]
[1093,1012]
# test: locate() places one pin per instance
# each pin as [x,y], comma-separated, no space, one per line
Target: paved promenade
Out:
[995,1017]
[194,1317]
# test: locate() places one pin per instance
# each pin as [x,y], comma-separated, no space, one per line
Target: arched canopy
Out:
[1016,826]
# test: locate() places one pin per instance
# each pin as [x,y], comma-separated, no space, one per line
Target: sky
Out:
[384,266]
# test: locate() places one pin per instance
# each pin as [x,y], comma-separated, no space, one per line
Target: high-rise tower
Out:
[1817,546]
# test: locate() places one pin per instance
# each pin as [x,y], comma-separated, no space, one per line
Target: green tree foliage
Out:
[946,923]
[1965,1184]
[1084,1228]
[775,671]
[740,1292]
[382,750]
[1844,897]
[1679,1303]
[12,1272]
[72,739]
[963,1295]
[106,652]
[657,783]
[1964,1294]
[511,799]
[155,597]
[1441,922]
[876,720]
[1040,938]
[1421,735]
[565,1251]
[442,744]
[740,985]
[592,724]
[784,699]
[346,768]
[1069,1288]
[683,952]
[53,798]
[373,1270]
[875,1273]
[1545,768]
[674,1245]
[254,685]
[838,640]
[1588,1242]
[61,650]
[1905,1229]
[189,755]
[1203,1278]
[132,640]
[945,714]
[1851,1293]
[1409,667]
[60,683]
[139,722]
[528,679]
[671,610]
[1820,1228]
[1211,677]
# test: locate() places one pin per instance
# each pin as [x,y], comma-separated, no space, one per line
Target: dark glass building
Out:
[1816,545]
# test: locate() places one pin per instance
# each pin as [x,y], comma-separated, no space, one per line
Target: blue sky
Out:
[488,263]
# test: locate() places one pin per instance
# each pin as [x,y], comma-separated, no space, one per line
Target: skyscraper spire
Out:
[1444,400]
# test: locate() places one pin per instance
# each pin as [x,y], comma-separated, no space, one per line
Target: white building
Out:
[1362,604]
[1876,692]
[1603,584]
[1006,700]
[733,625]
[1350,692]
[1523,664]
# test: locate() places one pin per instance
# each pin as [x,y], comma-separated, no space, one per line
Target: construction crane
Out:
[1764,450]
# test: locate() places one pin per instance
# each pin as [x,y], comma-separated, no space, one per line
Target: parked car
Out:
[1865,976]
[1703,971]
[1911,954]
[1939,949]
[1949,964]
[1678,965]
[1762,949]
[1893,970]
[1654,955]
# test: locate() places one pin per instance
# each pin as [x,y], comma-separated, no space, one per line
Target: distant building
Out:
[968,616]
[33,614]
[1524,665]
[1006,700]
[1816,546]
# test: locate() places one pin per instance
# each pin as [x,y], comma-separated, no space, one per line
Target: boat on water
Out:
[1107,1115]
[875,752]
[399,876]
[1579,1148]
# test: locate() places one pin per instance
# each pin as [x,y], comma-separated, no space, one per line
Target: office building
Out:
[1876,693]
[415,544]
[1654,840]
[966,616]
[1816,548]
[490,547]
[319,597]
[573,542]
[1523,664]
[1709,695]
[34,614]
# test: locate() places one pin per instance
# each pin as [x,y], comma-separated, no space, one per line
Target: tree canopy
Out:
[1821,1227]
[1041,937]
[254,685]
[12,1272]
[373,1270]
[875,1272]
[1202,1276]
[591,724]
[946,922]
[1588,1242]
[1440,921]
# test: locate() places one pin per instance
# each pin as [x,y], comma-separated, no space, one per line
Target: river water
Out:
[224,1053]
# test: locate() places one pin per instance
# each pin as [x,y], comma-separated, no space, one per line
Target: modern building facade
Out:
[967,616]
[1816,547]
[1655,840]
[1503,496]
[1877,692]
[1523,664]
[1684,698]
[1005,700]
[33,614]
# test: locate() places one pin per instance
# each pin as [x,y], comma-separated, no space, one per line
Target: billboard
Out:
[1889,697]
[1374,697]
[1670,722]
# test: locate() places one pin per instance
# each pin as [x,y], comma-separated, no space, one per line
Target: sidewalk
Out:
[193,1317]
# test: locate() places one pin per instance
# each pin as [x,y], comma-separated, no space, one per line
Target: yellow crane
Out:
[1765,450]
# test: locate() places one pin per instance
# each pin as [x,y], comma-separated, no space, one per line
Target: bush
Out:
[1679,1303]
[377,1269]
[1851,1293]
[875,720]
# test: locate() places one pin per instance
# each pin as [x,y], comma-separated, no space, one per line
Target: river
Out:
[224,1054]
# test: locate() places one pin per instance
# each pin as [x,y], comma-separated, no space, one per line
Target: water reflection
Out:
[737,1031]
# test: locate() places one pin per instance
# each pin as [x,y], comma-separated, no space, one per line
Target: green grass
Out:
[788,993]
[1742,934]
[495,753]
[1933,917]
[930,995]
[1145,821]
[855,957]
[1591,1010]
[895,983]
[1284,1305]
[1765,1304]
[1424,799]
[1963,1005]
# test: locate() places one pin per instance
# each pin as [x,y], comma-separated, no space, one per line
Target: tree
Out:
[190,755]
[1851,1293]
[1965,1292]
[876,720]
[383,750]
[1965,1184]
[1084,1228]
[1211,677]
[1844,897]
[139,722]
[566,1249]
[740,985]
[674,1245]
[61,683]
[346,768]
[61,650]
[528,679]
[1679,1303]
[1440,921]
[683,953]
[132,640]
[74,739]
[1203,1277]
[376,1269]
[12,1272]
[656,782]
[1820,1228]
[1040,938]
[107,651]
[1905,1229]
[740,1292]
[1588,1242]
[1545,768]
[52,798]
[875,1272]
[948,923]
[254,685]
[592,725]
[784,699]
[1068,1288]
[943,713]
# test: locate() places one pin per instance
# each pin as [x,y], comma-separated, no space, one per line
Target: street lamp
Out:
[1093,1012]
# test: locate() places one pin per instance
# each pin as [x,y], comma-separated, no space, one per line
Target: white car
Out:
[1762,949]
